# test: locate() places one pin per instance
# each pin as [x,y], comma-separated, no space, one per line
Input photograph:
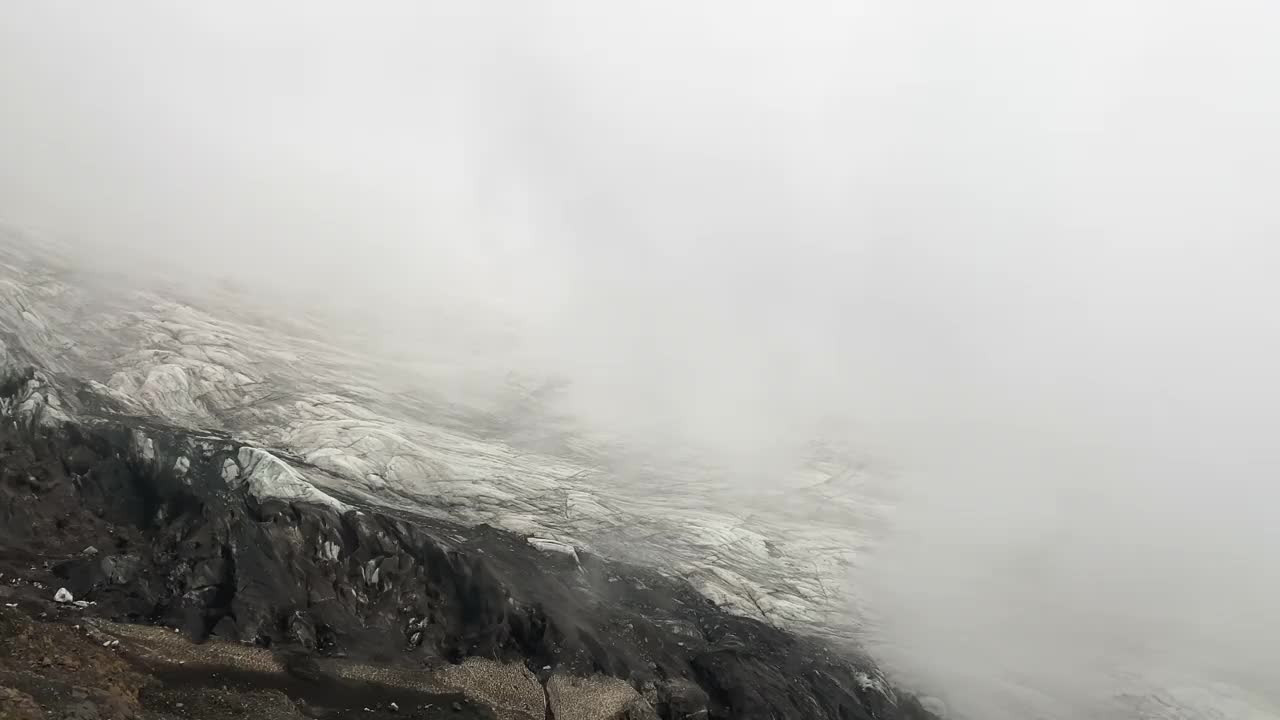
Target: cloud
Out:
[1023,254]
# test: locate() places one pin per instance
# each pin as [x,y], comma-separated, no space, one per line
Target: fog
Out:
[1023,255]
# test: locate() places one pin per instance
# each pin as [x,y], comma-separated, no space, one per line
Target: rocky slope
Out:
[228,542]
[450,432]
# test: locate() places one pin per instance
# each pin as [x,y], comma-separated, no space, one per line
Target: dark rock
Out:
[302,630]
[681,700]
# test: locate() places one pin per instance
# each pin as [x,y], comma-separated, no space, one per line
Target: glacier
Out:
[324,423]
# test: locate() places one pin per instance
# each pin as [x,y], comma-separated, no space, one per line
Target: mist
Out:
[1021,255]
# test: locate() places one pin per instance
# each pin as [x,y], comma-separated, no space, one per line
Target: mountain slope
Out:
[196,530]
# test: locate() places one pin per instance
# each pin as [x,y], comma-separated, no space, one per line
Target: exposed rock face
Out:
[200,532]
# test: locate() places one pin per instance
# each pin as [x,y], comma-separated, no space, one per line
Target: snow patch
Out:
[330,551]
[267,476]
[554,546]
[144,447]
